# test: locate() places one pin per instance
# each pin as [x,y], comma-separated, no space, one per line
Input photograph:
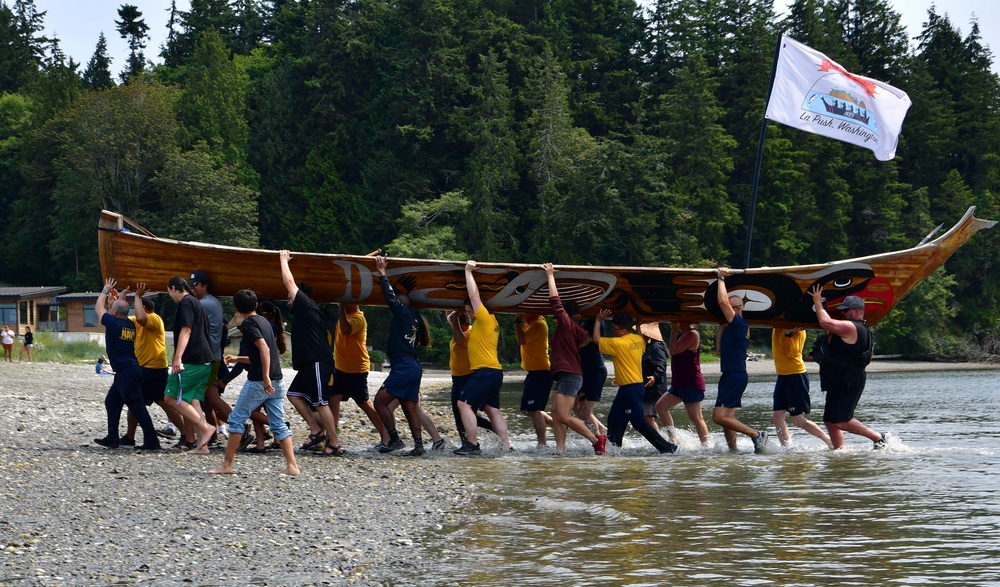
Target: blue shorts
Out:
[537,385]
[593,385]
[688,395]
[568,384]
[732,384]
[791,393]
[483,388]
[404,378]
[351,385]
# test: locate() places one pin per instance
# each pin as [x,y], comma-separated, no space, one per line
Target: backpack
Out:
[821,348]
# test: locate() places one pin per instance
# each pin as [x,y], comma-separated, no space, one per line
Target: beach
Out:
[72,513]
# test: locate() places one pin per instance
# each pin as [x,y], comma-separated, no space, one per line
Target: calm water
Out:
[924,512]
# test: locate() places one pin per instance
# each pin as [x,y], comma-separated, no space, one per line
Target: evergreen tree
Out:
[133,28]
[23,45]
[97,76]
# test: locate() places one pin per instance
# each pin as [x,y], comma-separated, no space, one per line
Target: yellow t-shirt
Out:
[787,351]
[150,342]
[458,359]
[350,350]
[535,350]
[483,339]
[626,354]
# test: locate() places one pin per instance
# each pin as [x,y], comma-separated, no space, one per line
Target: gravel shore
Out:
[72,513]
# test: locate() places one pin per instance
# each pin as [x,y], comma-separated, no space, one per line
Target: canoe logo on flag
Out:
[826,97]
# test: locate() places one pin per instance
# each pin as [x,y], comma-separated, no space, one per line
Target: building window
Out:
[26,312]
[8,314]
[89,316]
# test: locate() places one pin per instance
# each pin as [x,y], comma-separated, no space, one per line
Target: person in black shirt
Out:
[312,359]
[126,390]
[263,386]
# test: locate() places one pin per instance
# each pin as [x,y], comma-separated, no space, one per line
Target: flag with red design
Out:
[813,93]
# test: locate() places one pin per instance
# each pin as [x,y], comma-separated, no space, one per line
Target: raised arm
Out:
[519,329]
[601,317]
[102,300]
[141,318]
[550,272]
[287,278]
[470,285]
[682,342]
[343,322]
[845,329]
[722,294]
[460,336]
[395,306]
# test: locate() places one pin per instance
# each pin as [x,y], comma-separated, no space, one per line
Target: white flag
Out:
[817,95]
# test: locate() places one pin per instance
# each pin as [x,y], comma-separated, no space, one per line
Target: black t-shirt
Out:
[120,341]
[199,348]
[257,327]
[310,336]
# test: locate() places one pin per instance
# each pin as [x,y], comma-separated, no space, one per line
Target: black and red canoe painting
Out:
[773,296]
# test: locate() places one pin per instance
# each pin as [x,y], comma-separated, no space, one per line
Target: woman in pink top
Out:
[686,381]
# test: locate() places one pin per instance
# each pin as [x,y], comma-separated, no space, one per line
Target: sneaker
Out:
[392,446]
[671,448]
[166,433]
[467,449]
[418,450]
[315,440]
[601,446]
[106,442]
[880,443]
[379,446]
[148,448]
[438,444]
[126,442]
[246,441]
[760,441]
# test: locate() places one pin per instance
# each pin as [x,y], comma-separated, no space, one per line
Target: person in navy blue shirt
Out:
[733,343]
[126,389]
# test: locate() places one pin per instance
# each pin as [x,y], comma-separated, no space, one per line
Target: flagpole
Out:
[760,156]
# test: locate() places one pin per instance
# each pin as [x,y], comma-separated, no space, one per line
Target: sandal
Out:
[183,445]
[334,451]
[256,450]
[314,441]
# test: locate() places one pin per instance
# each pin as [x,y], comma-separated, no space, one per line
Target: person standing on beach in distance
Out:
[532,333]
[352,363]
[29,341]
[151,352]
[312,359]
[791,389]
[687,382]
[566,369]
[842,375]
[263,387]
[733,342]
[216,410]
[482,391]
[407,332]
[654,369]
[7,339]
[190,366]
[625,349]
[458,364]
[119,338]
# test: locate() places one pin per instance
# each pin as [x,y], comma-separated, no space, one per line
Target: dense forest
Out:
[571,131]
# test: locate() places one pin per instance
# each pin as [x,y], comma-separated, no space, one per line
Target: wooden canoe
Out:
[773,296]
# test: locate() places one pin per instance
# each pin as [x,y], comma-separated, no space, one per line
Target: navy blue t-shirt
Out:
[404,325]
[119,338]
[734,346]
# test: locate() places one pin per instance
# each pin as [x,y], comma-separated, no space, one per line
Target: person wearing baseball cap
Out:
[842,373]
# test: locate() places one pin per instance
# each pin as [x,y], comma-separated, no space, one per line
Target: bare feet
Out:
[290,471]
[198,451]
[206,434]
[223,470]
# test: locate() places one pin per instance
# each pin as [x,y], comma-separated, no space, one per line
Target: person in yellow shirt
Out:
[791,390]
[350,376]
[625,349]
[482,391]
[151,352]
[533,337]
[461,372]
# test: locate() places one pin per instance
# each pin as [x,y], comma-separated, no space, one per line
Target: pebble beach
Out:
[73,513]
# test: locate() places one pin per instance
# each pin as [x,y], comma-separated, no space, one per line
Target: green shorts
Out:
[190,381]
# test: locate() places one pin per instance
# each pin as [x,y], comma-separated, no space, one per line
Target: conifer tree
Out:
[133,28]
[97,76]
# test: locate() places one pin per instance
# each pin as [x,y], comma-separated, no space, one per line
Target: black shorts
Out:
[791,393]
[843,390]
[153,384]
[314,383]
[537,387]
[352,385]
[689,395]
[593,385]
[732,384]
[483,388]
